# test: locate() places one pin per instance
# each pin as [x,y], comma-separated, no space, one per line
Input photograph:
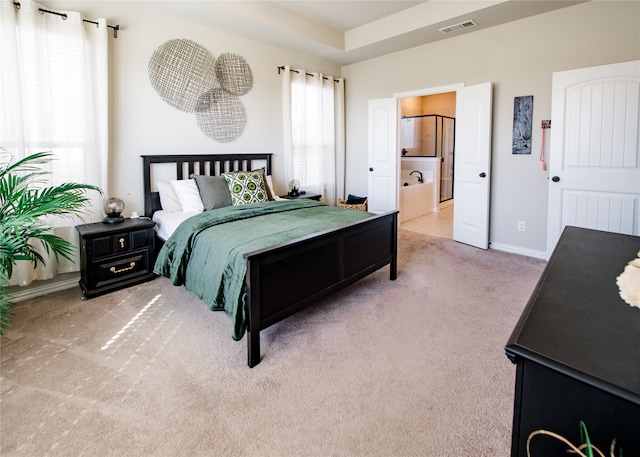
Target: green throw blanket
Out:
[205,254]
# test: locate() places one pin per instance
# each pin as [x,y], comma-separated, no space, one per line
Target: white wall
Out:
[142,123]
[519,58]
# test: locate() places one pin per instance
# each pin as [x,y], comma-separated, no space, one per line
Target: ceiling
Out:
[345,32]
[347,15]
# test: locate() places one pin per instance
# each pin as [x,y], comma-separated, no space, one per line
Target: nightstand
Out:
[114,256]
[310,196]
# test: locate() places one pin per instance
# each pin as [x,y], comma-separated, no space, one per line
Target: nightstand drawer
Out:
[121,267]
[121,242]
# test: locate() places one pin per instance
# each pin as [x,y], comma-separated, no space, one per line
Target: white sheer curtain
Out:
[313,117]
[53,97]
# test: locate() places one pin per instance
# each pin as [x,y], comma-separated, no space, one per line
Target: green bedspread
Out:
[205,254]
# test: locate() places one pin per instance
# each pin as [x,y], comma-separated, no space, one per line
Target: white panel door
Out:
[472,165]
[594,164]
[382,155]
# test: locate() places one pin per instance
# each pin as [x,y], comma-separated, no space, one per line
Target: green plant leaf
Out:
[25,200]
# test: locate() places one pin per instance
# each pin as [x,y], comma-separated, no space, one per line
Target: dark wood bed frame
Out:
[283,279]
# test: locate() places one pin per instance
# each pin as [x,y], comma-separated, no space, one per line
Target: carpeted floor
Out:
[412,367]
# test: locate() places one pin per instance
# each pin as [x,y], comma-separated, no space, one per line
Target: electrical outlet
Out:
[521,226]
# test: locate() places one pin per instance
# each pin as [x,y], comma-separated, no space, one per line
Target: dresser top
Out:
[576,322]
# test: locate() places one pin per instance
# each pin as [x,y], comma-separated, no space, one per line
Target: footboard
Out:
[286,278]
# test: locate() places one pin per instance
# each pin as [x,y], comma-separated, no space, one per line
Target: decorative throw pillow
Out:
[168,198]
[355,200]
[246,186]
[188,194]
[213,191]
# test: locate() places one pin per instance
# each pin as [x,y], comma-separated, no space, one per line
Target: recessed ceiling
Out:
[345,32]
[347,15]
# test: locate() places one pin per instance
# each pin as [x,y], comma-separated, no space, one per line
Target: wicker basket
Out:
[353,206]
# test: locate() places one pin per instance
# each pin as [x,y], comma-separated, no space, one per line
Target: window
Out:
[314,132]
[54,90]
[53,97]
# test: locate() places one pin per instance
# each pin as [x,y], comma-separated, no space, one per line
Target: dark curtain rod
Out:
[308,74]
[64,16]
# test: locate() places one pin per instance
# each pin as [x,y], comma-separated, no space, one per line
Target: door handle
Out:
[370,168]
[483,175]
[555,179]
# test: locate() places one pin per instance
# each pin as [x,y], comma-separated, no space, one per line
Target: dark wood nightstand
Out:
[114,256]
[310,196]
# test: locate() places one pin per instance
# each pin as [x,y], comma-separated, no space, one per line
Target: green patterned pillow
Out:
[246,186]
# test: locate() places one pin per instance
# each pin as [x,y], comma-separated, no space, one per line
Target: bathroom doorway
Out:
[427,145]
[472,163]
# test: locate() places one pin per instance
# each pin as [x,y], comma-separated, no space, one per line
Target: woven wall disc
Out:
[234,73]
[181,71]
[221,115]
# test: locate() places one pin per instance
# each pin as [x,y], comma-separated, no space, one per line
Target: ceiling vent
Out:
[459,26]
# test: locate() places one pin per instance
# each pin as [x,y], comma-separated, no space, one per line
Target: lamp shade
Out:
[113,208]
[294,187]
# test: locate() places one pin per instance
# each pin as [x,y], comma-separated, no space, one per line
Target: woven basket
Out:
[352,206]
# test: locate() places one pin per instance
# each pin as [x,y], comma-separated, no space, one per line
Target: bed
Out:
[280,277]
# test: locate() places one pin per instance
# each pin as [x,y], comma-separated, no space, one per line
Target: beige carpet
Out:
[412,367]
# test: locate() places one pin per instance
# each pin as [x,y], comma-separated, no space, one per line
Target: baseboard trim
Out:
[32,292]
[518,250]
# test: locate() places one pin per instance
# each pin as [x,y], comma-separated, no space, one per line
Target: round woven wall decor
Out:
[234,73]
[181,71]
[191,79]
[221,115]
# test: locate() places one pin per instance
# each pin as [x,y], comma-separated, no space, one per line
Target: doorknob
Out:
[483,175]
[370,168]
[555,179]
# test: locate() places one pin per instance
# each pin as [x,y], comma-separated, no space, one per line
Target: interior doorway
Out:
[427,150]
[471,166]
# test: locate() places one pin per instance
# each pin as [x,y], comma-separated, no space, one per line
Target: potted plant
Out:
[24,200]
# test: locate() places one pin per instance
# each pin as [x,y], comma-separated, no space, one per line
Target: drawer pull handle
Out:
[121,243]
[130,267]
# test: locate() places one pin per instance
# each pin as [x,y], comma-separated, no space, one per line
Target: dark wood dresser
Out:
[577,350]
[113,256]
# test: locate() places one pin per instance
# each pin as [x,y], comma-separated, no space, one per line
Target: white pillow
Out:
[270,187]
[168,198]
[188,194]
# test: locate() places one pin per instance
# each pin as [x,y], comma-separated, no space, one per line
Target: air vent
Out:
[459,26]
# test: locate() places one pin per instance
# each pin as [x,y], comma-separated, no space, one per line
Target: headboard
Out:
[185,165]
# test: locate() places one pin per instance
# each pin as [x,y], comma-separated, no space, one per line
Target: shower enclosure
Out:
[431,135]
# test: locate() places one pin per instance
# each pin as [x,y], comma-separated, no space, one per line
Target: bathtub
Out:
[416,199]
